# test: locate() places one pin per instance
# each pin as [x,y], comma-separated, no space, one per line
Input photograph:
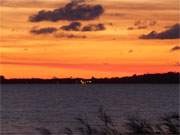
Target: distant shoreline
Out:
[158,78]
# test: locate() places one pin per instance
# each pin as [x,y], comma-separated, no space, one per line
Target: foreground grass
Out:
[167,125]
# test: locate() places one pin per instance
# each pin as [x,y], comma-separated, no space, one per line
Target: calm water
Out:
[26,107]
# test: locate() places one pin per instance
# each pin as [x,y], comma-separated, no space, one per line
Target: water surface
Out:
[25,107]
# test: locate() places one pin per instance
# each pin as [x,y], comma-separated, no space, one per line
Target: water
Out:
[25,107]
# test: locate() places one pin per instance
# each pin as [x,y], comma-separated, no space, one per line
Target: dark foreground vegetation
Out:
[163,78]
[166,125]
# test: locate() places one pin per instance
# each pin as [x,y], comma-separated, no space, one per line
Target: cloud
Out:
[47,30]
[73,26]
[71,11]
[176,48]
[76,26]
[171,33]
[142,24]
[93,27]
[51,30]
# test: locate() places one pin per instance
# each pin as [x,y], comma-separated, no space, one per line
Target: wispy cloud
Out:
[47,30]
[142,24]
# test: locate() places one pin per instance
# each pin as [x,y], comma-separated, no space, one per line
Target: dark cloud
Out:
[74,26]
[71,11]
[176,48]
[47,30]
[93,27]
[171,33]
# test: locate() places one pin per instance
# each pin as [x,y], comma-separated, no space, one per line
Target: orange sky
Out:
[115,51]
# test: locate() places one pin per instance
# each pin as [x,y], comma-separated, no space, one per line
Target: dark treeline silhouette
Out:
[161,78]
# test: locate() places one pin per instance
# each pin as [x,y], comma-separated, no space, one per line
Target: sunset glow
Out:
[117,50]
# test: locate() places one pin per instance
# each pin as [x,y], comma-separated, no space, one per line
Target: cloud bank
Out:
[70,12]
[171,33]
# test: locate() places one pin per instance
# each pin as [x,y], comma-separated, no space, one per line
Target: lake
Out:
[25,107]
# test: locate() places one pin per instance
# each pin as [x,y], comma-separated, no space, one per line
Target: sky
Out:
[115,38]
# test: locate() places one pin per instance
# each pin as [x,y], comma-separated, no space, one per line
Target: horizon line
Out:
[4,77]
